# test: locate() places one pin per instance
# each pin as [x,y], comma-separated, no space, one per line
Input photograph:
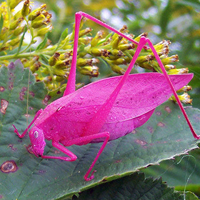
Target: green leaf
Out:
[64,34]
[190,196]
[44,58]
[21,41]
[181,173]
[165,17]
[43,43]
[135,186]
[62,37]
[193,3]
[1,22]
[164,136]
[131,187]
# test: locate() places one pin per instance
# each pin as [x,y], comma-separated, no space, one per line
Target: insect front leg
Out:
[72,157]
[24,133]
[72,75]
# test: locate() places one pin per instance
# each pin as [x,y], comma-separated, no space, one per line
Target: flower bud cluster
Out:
[51,64]
[16,24]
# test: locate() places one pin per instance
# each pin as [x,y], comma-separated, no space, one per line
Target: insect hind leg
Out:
[172,88]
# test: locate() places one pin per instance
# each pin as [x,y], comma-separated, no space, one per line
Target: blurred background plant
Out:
[174,20]
[48,53]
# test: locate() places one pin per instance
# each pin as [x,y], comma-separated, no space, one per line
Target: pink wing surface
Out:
[140,94]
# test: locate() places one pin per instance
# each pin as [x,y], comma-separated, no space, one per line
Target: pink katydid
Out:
[103,110]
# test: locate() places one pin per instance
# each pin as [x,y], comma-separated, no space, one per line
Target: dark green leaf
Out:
[182,172]
[1,22]
[64,34]
[21,41]
[62,37]
[165,17]
[43,43]
[193,3]
[134,187]
[44,58]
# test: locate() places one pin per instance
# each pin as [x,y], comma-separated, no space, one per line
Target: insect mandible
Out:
[103,110]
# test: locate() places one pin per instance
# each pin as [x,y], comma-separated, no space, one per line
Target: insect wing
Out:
[140,94]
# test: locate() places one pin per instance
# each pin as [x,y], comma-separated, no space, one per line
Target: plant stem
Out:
[30,54]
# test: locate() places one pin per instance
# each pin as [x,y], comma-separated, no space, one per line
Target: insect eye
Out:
[36,134]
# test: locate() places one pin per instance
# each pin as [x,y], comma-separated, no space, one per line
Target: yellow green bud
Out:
[99,52]
[147,65]
[18,30]
[44,70]
[65,55]
[89,70]
[96,39]
[142,59]
[162,48]
[17,15]
[44,30]
[35,66]
[62,63]
[59,72]
[28,63]
[124,47]
[36,12]
[26,9]
[58,78]
[119,61]
[13,42]
[116,42]
[15,23]
[4,33]
[84,32]
[170,59]
[168,67]
[116,52]
[117,69]
[39,17]
[38,24]
[82,61]
[137,39]
[85,40]
[124,29]
[185,89]
[178,71]
[4,47]
[67,47]
[47,79]
[13,3]
[54,59]
[184,98]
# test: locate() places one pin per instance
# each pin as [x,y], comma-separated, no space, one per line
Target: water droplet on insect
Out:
[36,134]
